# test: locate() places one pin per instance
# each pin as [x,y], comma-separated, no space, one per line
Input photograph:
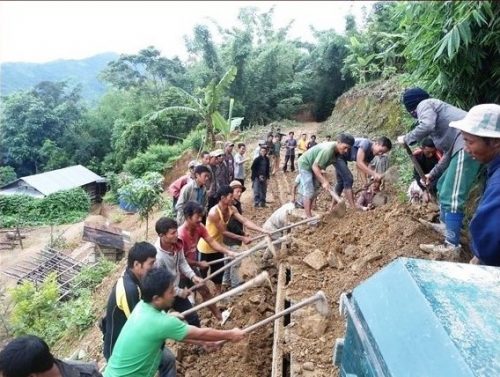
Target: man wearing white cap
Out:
[481,132]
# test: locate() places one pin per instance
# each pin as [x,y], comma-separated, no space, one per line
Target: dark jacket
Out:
[123,298]
[261,167]
[427,164]
[484,225]
[71,368]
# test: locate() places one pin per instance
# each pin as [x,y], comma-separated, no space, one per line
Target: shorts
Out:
[306,183]
[217,279]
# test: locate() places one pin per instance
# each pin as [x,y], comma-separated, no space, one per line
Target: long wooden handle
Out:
[258,280]
[233,262]
[418,168]
[335,196]
[287,227]
[307,301]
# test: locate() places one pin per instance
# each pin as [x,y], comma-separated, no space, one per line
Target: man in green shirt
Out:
[316,159]
[138,350]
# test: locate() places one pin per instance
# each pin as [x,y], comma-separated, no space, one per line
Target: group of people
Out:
[209,225]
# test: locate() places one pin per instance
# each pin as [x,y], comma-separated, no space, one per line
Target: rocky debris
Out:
[334,260]
[351,251]
[308,366]
[362,262]
[192,373]
[316,260]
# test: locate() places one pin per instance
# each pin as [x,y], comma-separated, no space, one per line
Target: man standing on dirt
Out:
[217,221]
[239,163]
[481,133]
[276,153]
[229,159]
[126,294]
[315,160]
[231,278]
[190,234]
[194,191]
[261,169]
[363,151]
[170,255]
[302,145]
[290,145]
[139,347]
[459,168]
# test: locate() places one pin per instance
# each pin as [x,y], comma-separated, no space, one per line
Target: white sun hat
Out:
[481,120]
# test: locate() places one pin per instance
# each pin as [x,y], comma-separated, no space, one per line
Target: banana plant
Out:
[205,108]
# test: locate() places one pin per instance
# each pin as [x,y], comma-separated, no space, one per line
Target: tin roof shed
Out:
[40,185]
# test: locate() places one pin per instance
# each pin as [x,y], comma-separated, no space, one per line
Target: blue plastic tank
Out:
[422,318]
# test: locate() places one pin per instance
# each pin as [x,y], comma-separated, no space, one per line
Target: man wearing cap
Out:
[195,190]
[235,226]
[455,173]
[175,188]
[481,133]
[256,151]
[229,159]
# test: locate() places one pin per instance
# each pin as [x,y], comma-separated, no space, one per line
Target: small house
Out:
[43,184]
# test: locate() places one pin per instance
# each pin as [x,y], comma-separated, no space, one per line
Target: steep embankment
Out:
[369,110]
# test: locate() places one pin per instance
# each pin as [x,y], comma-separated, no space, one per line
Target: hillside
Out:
[23,76]
[369,110]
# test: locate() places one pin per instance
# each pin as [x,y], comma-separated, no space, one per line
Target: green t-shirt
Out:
[137,352]
[323,154]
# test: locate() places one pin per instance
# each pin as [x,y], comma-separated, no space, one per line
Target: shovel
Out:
[234,261]
[340,209]
[260,279]
[319,300]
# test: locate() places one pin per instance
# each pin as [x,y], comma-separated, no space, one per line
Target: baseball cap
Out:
[235,184]
[481,120]
[216,153]
[193,164]
[228,144]
[262,143]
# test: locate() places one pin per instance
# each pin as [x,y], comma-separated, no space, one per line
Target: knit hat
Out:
[481,120]
[412,97]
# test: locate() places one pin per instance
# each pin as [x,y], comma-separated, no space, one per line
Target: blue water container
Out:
[420,318]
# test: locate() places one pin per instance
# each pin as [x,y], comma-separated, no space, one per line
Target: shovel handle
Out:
[259,279]
[318,296]
[286,227]
[233,262]
[334,195]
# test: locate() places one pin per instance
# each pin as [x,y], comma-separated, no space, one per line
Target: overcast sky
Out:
[42,31]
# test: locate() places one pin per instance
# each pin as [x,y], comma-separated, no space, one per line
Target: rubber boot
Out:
[453,222]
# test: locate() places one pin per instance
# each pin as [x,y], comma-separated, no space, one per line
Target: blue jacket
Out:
[485,225]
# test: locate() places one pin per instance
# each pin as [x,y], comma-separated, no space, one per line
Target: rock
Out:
[308,366]
[255,299]
[312,326]
[334,260]
[316,260]
[192,373]
[351,250]
[362,262]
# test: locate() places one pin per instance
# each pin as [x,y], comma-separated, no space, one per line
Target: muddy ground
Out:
[353,248]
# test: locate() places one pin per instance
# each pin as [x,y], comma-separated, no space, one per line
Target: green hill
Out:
[23,76]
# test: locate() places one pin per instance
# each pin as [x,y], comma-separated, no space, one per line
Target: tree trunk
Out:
[210,139]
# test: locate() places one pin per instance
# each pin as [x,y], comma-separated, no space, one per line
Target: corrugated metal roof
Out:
[61,179]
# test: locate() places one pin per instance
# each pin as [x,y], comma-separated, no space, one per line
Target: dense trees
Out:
[152,102]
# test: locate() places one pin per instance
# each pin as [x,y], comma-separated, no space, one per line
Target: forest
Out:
[155,107]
